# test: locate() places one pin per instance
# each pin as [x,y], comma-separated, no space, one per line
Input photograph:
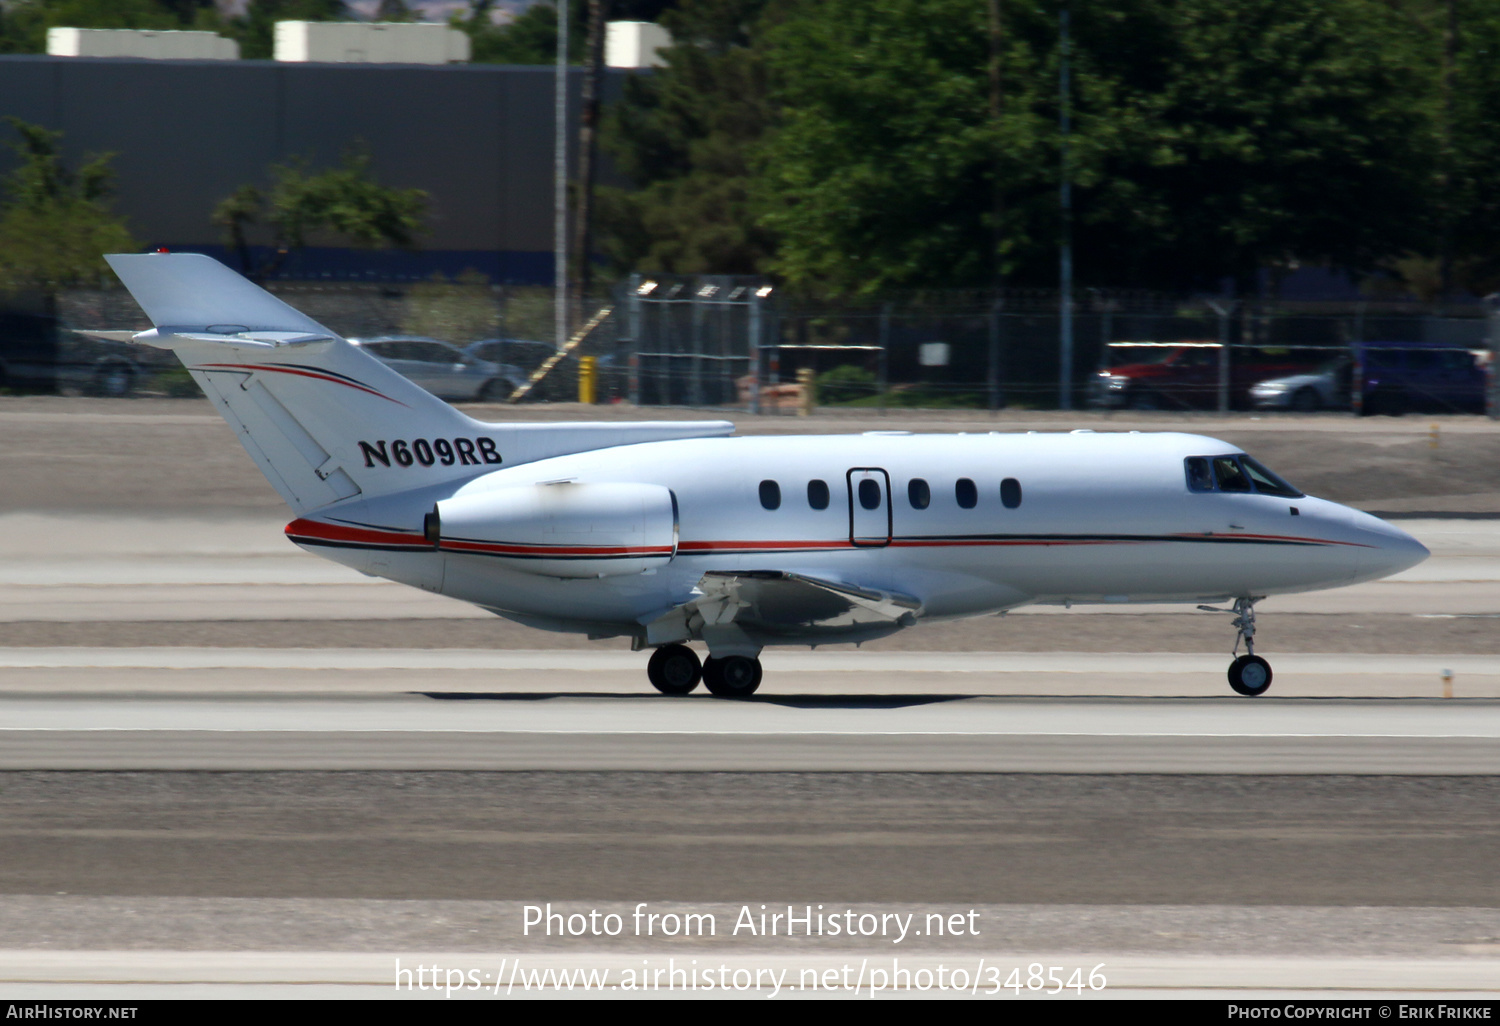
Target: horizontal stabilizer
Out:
[164,338]
[193,293]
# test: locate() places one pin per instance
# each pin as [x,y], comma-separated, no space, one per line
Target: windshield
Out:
[1235,473]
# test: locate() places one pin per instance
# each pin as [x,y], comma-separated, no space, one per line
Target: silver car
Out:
[1325,388]
[444,370]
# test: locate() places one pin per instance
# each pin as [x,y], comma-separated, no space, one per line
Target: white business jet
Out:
[667,533]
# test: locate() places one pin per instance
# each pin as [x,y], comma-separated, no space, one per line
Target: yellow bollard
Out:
[587,372]
[809,391]
[1433,436]
[1447,683]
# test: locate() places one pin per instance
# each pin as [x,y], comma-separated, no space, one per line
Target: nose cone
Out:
[1389,550]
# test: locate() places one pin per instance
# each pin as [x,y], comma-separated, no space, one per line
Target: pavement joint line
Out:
[726,733]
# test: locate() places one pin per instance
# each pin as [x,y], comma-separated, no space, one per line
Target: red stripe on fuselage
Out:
[317,530]
[314,530]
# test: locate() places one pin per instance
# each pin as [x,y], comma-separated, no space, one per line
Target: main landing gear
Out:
[675,670]
[1249,674]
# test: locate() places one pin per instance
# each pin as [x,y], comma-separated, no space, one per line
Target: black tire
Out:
[674,669]
[1145,401]
[1307,400]
[497,390]
[1250,675]
[732,676]
[113,380]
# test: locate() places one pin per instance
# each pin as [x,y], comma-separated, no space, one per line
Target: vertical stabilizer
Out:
[324,421]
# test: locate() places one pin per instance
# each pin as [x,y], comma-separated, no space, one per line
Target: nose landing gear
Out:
[1249,674]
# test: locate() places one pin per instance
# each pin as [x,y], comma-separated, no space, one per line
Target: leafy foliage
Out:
[686,135]
[255,29]
[24,23]
[530,38]
[343,201]
[1209,139]
[461,310]
[55,224]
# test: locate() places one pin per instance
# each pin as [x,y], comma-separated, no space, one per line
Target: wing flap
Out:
[764,605]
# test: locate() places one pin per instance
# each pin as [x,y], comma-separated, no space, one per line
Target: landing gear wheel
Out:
[1250,675]
[732,676]
[674,669]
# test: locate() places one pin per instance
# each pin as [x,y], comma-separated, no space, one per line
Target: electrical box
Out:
[359,42]
[634,44]
[147,43]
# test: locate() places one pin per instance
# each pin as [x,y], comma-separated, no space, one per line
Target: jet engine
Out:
[565,529]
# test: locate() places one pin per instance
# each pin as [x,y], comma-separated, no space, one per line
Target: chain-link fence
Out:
[735,342]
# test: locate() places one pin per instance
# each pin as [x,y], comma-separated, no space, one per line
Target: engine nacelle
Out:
[564,529]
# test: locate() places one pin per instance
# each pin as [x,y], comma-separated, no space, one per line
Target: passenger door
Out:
[869,507]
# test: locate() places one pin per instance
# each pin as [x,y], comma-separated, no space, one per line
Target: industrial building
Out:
[187,133]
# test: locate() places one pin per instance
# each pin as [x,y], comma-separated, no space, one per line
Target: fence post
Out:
[1223,312]
[695,386]
[633,326]
[883,374]
[1357,363]
[754,354]
[1491,371]
[994,378]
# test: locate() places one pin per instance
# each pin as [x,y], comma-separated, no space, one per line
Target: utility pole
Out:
[588,138]
[560,183]
[1065,201]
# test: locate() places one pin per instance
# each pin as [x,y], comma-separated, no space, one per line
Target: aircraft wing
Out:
[753,605]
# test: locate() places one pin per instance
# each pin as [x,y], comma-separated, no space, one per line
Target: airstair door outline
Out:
[869,507]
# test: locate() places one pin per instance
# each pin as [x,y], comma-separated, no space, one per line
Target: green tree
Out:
[1233,138]
[343,203]
[255,30]
[1473,200]
[1211,139]
[24,23]
[881,173]
[55,223]
[686,136]
[461,310]
[530,38]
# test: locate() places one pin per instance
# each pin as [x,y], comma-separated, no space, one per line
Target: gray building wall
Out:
[477,138]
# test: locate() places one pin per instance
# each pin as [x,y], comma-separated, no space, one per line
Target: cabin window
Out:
[817,494]
[918,494]
[966,492]
[770,494]
[1010,493]
[869,494]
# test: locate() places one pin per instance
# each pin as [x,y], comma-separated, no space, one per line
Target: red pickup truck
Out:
[1185,375]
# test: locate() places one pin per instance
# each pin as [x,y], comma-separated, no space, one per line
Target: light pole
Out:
[1065,201]
[560,183]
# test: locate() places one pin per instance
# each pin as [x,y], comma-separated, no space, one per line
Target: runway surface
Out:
[234,769]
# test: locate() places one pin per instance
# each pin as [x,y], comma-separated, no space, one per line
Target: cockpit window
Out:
[1199,477]
[1228,474]
[1237,473]
[1266,482]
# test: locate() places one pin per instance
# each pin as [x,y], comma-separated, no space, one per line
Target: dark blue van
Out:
[1418,377]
